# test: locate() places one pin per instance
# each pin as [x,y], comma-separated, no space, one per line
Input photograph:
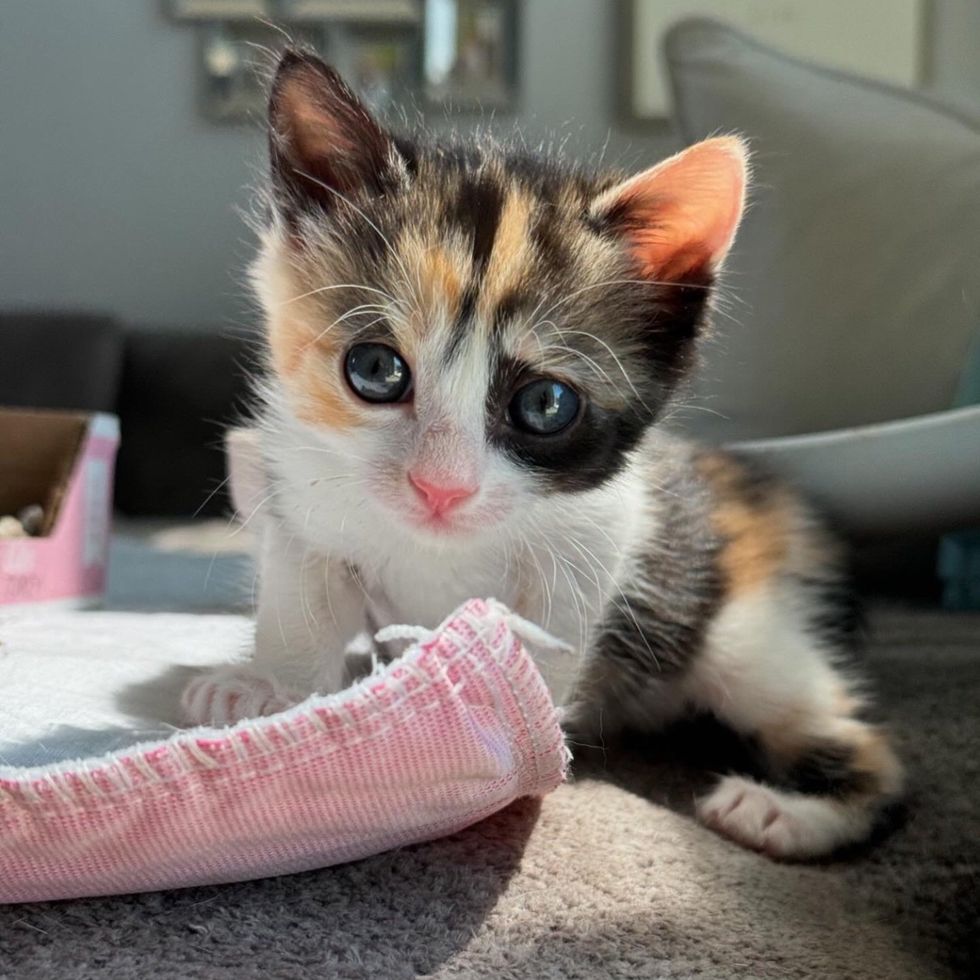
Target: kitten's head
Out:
[471,327]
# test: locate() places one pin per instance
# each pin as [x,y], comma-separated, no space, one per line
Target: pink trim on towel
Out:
[452,731]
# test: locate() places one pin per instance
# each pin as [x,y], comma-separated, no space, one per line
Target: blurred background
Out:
[846,349]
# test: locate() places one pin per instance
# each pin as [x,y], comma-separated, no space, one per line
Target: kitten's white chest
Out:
[423,589]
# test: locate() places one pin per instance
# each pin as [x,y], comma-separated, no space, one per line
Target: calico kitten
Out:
[470,348]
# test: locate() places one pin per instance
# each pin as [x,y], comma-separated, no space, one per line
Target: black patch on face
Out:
[586,455]
[827,769]
[461,326]
[366,238]
[550,239]
[675,310]
[508,308]
[476,210]
[675,318]
[646,343]
[548,181]
[581,457]
[409,152]
[509,373]
[658,626]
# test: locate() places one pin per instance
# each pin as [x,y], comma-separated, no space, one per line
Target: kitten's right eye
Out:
[544,407]
[377,373]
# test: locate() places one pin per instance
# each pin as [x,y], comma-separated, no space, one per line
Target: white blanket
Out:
[76,684]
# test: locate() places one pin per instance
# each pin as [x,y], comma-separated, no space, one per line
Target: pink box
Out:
[63,461]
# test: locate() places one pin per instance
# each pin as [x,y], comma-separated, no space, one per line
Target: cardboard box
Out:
[63,461]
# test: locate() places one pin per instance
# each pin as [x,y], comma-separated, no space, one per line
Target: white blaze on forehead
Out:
[450,407]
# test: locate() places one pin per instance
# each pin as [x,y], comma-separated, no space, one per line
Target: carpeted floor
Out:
[608,877]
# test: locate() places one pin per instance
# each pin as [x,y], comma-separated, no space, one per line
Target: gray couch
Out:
[174,390]
[854,284]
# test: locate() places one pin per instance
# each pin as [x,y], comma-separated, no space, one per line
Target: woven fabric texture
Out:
[452,731]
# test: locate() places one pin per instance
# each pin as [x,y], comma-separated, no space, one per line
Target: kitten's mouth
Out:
[442,523]
[454,523]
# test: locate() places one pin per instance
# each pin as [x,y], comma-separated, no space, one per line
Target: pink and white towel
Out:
[453,730]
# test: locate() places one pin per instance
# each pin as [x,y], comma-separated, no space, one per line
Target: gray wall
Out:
[116,195]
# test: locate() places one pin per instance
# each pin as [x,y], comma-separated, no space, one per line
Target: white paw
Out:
[780,824]
[225,696]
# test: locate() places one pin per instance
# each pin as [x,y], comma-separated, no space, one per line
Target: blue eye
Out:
[544,407]
[377,373]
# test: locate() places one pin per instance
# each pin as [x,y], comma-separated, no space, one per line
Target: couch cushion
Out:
[181,387]
[855,282]
[59,360]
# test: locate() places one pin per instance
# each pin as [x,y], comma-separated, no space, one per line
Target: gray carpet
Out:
[607,877]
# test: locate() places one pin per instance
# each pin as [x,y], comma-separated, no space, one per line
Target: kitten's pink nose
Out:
[439,496]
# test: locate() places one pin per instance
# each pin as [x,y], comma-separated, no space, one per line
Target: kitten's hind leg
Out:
[770,677]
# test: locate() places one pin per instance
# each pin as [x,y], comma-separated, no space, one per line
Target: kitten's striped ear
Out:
[679,218]
[324,145]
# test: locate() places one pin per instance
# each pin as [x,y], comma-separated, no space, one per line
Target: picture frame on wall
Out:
[219,9]
[350,11]
[381,64]
[470,52]
[235,64]
[458,54]
[388,12]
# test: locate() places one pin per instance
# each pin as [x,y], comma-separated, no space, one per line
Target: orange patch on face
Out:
[441,280]
[324,402]
[511,253]
[289,337]
[307,362]
[437,272]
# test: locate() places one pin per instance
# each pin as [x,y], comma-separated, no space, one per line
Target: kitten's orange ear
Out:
[323,142]
[680,217]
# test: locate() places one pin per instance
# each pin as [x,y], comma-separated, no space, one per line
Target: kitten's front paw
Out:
[227,695]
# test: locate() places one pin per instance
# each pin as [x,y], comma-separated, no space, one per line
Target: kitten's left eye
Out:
[377,373]
[544,407]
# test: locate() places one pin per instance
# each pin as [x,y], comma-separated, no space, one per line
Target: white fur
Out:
[761,671]
[783,825]
[347,546]
[341,552]
[759,665]
[555,562]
